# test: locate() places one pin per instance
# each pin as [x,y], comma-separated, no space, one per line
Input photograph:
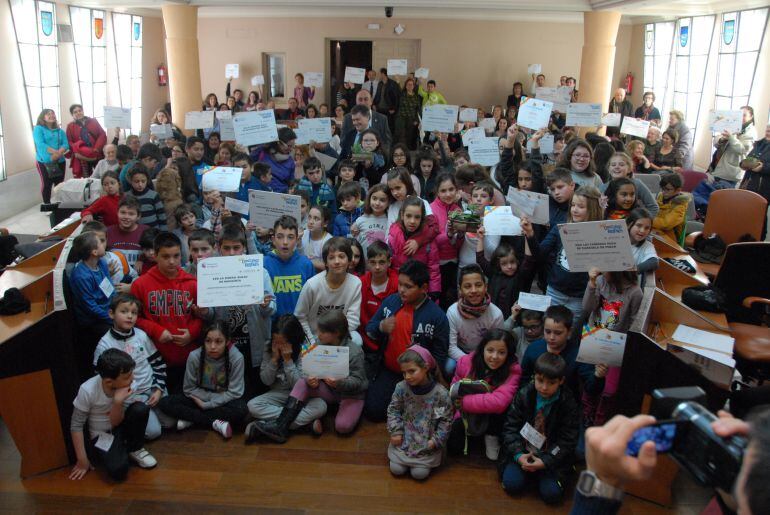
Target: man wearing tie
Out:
[372,85]
[374,120]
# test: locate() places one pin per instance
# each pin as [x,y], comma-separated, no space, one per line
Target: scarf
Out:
[646,112]
[423,389]
[279,157]
[470,311]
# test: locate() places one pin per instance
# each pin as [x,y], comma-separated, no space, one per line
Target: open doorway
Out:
[346,53]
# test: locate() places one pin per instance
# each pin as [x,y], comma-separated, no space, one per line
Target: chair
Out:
[691,178]
[693,224]
[651,180]
[734,214]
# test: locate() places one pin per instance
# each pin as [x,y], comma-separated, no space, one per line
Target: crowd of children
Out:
[427,305]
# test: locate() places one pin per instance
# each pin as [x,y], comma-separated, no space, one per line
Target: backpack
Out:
[13,302]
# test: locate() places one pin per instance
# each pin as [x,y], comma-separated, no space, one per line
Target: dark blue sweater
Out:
[576,372]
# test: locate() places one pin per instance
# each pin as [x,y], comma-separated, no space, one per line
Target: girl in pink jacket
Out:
[411,219]
[483,388]
[448,243]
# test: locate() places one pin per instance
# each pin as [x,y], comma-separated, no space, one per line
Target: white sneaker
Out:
[492,446]
[181,425]
[143,458]
[223,428]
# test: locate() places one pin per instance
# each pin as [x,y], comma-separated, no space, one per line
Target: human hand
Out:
[525,459]
[355,231]
[606,451]
[593,273]
[388,324]
[537,136]
[266,300]
[87,218]
[431,444]
[515,310]
[182,339]
[727,425]
[112,267]
[251,227]
[604,202]
[534,465]
[80,469]
[165,337]
[526,227]
[396,440]
[410,247]
[286,353]
[312,382]
[123,288]
[331,383]
[197,401]
[758,167]
[154,398]
[198,311]
[600,370]
[121,394]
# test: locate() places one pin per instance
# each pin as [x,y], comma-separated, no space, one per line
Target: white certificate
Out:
[163,131]
[723,121]
[422,73]
[199,120]
[355,75]
[439,118]
[313,129]
[602,346]
[314,79]
[258,80]
[634,127]
[603,244]
[255,127]
[484,152]
[531,204]
[231,71]
[500,221]
[473,134]
[326,362]
[469,114]
[224,115]
[117,117]
[230,281]
[546,144]
[397,67]
[584,115]
[534,301]
[226,129]
[534,113]
[222,178]
[488,124]
[611,120]
[534,68]
[560,96]
[265,207]
[237,206]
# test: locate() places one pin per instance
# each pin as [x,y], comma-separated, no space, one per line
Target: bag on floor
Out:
[77,192]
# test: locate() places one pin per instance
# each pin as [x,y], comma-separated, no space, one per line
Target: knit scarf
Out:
[423,389]
[470,311]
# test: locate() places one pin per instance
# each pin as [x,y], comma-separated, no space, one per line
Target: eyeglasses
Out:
[532,328]
[581,156]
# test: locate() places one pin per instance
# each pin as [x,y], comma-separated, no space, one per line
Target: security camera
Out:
[389,12]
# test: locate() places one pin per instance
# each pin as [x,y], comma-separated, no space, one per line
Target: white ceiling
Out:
[562,10]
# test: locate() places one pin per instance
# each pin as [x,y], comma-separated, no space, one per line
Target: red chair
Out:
[691,178]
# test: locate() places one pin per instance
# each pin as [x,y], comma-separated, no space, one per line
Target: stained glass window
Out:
[658,38]
[91,59]
[128,52]
[693,44]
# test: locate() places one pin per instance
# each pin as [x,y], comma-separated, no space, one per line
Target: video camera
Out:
[684,430]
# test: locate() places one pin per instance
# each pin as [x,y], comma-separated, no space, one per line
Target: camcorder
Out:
[684,431]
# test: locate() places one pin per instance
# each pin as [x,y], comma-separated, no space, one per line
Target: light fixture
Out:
[399,29]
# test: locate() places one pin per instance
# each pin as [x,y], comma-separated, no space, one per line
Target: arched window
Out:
[658,39]
[88,32]
[128,52]
[692,53]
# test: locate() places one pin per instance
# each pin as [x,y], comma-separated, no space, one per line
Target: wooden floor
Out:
[198,472]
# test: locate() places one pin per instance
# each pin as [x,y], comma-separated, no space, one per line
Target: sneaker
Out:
[143,458]
[181,425]
[317,427]
[223,428]
[492,446]
[251,432]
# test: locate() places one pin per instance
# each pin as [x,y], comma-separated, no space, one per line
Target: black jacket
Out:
[379,123]
[389,94]
[562,427]
[759,182]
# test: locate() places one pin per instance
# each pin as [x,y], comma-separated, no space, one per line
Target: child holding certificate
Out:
[347,392]
[411,222]
[373,224]
[482,195]
[448,241]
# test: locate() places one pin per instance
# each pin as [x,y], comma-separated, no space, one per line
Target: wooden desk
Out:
[64,229]
[38,379]
[673,281]
[666,248]
[26,272]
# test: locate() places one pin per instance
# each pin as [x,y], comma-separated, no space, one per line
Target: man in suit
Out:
[389,97]
[360,120]
[372,85]
[376,121]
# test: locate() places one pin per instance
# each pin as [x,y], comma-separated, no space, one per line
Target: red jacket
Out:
[107,207]
[166,306]
[370,302]
[74,136]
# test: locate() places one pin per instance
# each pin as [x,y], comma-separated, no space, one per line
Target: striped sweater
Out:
[153,214]
[150,370]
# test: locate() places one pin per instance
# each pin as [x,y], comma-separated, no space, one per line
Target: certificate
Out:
[439,118]
[223,115]
[531,204]
[533,301]
[534,113]
[722,121]
[313,129]
[237,206]
[255,127]
[473,134]
[226,128]
[601,346]
[231,71]
[230,281]
[634,127]
[484,152]
[326,362]
[469,114]
[584,115]
[422,73]
[314,79]
[355,75]
[534,68]
[265,207]
[199,120]
[397,67]
[500,221]
[546,144]
[222,178]
[612,120]
[258,80]
[603,244]
[488,124]
[560,96]
[163,131]
[117,117]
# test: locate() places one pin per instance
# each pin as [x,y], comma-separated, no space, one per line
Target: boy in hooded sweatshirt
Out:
[315,184]
[289,269]
[169,296]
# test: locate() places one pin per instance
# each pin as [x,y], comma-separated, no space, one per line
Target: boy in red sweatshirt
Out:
[169,295]
[378,282]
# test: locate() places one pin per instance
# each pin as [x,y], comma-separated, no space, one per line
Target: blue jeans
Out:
[515,481]
[575,304]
